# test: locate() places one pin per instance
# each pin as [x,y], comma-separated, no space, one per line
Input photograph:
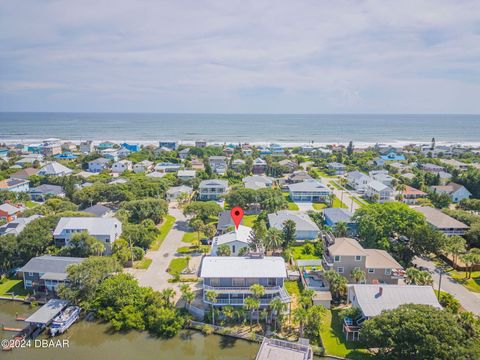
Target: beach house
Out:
[411,195]
[212,189]
[306,229]
[256,182]
[236,240]
[54,169]
[122,166]
[9,211]
[143,166]
[358,180]
[337,168]
[218,164]
[171,145]
[106,230]
[455,191]
[14,185]
[259,166]
[98,165]
[309,191]
[186,175]
[442,222]
[15,227]
[378,192]
[174,192]
[333,216]
[86,147]
[231,277]
[44,191]
[182,154]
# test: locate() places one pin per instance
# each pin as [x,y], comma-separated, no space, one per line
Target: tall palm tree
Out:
[212,299]
[358,275]
[98,248]
[228,312]
[307,298]
[277,306]
[470,259]
[167,295]
[300,316]
[274,239]
[341,229]
[187,294]
[251,304]
[257,292]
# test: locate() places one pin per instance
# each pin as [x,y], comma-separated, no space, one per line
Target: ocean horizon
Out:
[363,129]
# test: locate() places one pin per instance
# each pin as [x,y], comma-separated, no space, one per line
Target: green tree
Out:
[197,225]
[258,235]
[289,233]
[202,210]
[358,275]
[278,307]
[300,316]
[209,230]
[449,302]
[223,250]
[470,259]
[418,332]
[341,229]
[415,276]
[338,284]
[455,245]
[251,304]
[82,244]
[273,240]
[150,208]
[211,297]
[257,292]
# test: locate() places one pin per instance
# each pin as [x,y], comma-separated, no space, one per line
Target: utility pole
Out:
[440,281]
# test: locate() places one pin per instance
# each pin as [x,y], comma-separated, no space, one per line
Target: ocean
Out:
[234,128]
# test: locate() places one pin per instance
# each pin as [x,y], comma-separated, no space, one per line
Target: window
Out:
[358,258]
[238,282]
[233,249]
[388,271]
[272,282]
[340,270]
[30,273]
[28,283]
[371,271]
[336,258]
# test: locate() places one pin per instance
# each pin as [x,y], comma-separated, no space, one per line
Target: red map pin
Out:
[237,214]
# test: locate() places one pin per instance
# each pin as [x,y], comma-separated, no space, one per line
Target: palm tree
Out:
[257,292]
[338,283]
[264,315]
[470,259]
[251,304]
[358,275]
[456,245]
[167,295]
[228,312]
[418,277]
[341,229]
[277,306]
[187,294]
[212,299]
[197,225]
[299,316]
[274,239]
[98,248]
[307,298]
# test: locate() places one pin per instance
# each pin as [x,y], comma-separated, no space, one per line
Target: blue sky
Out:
[302,56]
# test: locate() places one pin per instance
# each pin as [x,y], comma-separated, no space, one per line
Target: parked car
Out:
[205,241]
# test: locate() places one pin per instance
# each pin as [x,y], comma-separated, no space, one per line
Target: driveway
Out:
[470,301]
[156,275]
[304,206]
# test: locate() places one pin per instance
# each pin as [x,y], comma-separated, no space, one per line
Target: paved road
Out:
[470,301]
[156,275]
[345,195]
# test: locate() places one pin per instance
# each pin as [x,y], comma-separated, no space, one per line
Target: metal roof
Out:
[243,267]
[47,312]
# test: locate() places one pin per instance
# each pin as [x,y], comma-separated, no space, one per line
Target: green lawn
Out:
[30,204]
[298,254]
[177,265]
[13,286]
[191,237]
[472,284]
[337,203]
[291,204]
[249,219]
[335,185]
[334,342]
[293,287]
[358,202]
[193,249]
[164,228]
[319,206]
[142,264]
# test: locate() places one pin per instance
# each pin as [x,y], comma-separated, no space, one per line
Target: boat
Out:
[64,320]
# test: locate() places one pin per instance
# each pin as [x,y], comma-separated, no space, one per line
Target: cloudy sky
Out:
[222,56]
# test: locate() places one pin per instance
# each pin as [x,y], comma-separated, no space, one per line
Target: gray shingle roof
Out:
[302,220]
[50,264]
[336,215]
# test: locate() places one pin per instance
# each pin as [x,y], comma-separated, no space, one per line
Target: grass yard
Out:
[249,219]
[298,253]
[177,265]
[293,287]
[191,237]
[337,203]
[472,284]
[358,202]
[319,206]
[334,342]
[14,286]
[164,228]
[291,204]
[142,264]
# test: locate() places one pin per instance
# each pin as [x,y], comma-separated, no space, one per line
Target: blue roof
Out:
[393,157]
[66,155]
[335,215]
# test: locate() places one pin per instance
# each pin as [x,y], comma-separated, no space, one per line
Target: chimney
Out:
[380,291]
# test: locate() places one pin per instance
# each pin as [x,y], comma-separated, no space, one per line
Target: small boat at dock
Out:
[64,320]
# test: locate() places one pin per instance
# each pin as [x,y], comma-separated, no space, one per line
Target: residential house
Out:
[358,180]
[212,189]
[456,164]
[378,192]
[411,195]
[14,185]
[98,165]
[456,191]
[289,164]
[442,222]
[231,277]
[24,174]
[238,164]
[346,254]
[105,145]
[275,349]
[309,191]
[236,240]
[197,164]
[371,300]
[131,147]
[277,150]
[51,147]
[156,174]
[433,168]
[106,230]
[257,182]
[200,144]
[10,212]
[29,159]
[259,166]
[121,166]
[389,158]
[218,164]
[337,168]
[445,177]
[86,147]
[69,147]
[143,166]
[66,156]
[44,273]
[168,167]
[382,176]
[54,169]
[186,175]
[182,154]
[225,222]
[174,192]
[333,216]
[15,227]
[306,229]
[123,153]
[99,210]
[110,154]
[44,191]
[298,176]
[171,145]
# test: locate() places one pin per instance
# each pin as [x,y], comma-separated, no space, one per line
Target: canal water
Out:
[92,341]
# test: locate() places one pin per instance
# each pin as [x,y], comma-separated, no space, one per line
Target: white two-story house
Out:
[212,189]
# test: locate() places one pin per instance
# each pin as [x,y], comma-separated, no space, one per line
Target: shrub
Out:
[308,249]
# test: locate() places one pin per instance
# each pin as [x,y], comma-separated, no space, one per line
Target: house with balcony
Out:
[411,195]
[358,180]
[9,211]
[218,164]
[298,176]
[175,191]
[143,166]
[42,274]
[378,192]
[131,147]
[44,191]
[86,147]
[442,222]
[455,191]
[432,168]
[186,175]
[259,166]
[345,254]
[212,189]
[98,165]
[14,185]
[236,240]
[106,230]
[309,191]
[168,167]
[15,227]
[231,277]
[122,166]
[170,145]
[333,216]
[337,168]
